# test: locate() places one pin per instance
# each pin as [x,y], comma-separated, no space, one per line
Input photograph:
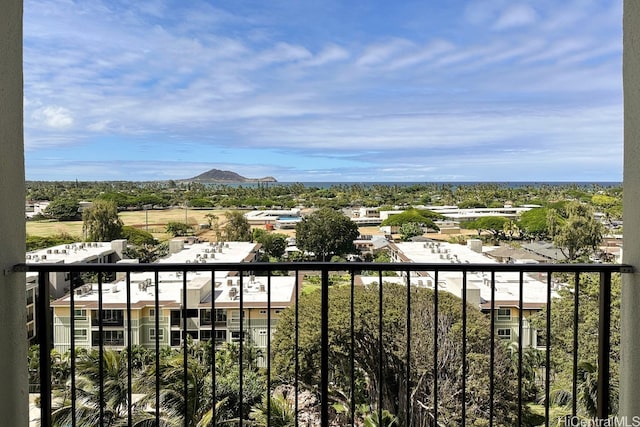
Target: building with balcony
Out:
[75,253]
[211,310]
[504,300]
[157,312]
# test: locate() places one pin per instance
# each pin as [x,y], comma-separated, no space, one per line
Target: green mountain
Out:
[217,175]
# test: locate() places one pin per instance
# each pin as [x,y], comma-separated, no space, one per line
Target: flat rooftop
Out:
[70,253]
[506,283]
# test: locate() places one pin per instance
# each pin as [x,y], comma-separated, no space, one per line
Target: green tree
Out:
[178,228]
[424,218]
[393,382]
[274,244]
[562,351]
[491,224]
[282,409]
[101,222]
[409,230]
[326,232]
[533,223]
[115,388]
[63,209]
[510,228]
[137,237]
[40,242]
[237,228]
[579,233]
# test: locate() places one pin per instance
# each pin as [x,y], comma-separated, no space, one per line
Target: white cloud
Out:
[332,53]
[101,69]
[517,15]
[382,52]
[431,51]
[54,117]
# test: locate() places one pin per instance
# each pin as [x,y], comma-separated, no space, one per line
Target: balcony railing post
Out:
[45,340]
[604,345]
[377,401]
[324,345]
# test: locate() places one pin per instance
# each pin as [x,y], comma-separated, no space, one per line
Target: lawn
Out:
[153,220]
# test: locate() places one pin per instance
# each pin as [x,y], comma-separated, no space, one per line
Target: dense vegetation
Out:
[137,195]
[564,215]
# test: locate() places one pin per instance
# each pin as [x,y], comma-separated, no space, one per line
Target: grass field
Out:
[153,220]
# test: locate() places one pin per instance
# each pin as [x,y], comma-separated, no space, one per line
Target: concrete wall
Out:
[13,361]
[630,327]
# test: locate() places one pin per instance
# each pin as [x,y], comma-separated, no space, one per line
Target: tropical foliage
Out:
[101,222]
[326,232]
[389,379]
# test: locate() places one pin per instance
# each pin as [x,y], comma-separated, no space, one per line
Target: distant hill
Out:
[217,175]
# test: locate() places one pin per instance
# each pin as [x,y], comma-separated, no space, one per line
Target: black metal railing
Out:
[358,382]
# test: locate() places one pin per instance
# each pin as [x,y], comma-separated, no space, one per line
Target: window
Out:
[263,311]
[278,311]
[235,315]
[221,335]
[505,334]
[80,314]
[205,317]
[262,333]
[112,316]
[152,312]
[221,315]
[235,336]
[175,338]
[109,338]
[80,334]
[152,334]
[504,314]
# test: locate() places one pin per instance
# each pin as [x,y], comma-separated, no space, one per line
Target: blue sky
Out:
[332,90]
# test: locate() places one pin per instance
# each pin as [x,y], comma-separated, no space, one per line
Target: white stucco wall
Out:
[13,360]
[630,327]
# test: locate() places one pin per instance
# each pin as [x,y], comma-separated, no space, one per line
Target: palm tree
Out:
[115,404]
[174,405]
[280,409]
[114,375]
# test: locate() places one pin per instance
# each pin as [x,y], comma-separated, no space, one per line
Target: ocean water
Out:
[454,184]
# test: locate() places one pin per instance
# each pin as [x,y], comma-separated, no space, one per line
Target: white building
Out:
[212,304]
[506,304]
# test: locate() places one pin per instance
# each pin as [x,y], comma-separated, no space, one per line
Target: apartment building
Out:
[75,253]
[506,295]
[158,311]
[60,282]
[212,311]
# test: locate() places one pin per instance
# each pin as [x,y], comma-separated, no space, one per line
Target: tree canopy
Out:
[138,237]
[533,223]
[175,228]
[101,222]
[422,217]
[491,224]
[394,346]
[237,228]
[578,233]
[562,325]
[326,232]
[273,244]
[63,209]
